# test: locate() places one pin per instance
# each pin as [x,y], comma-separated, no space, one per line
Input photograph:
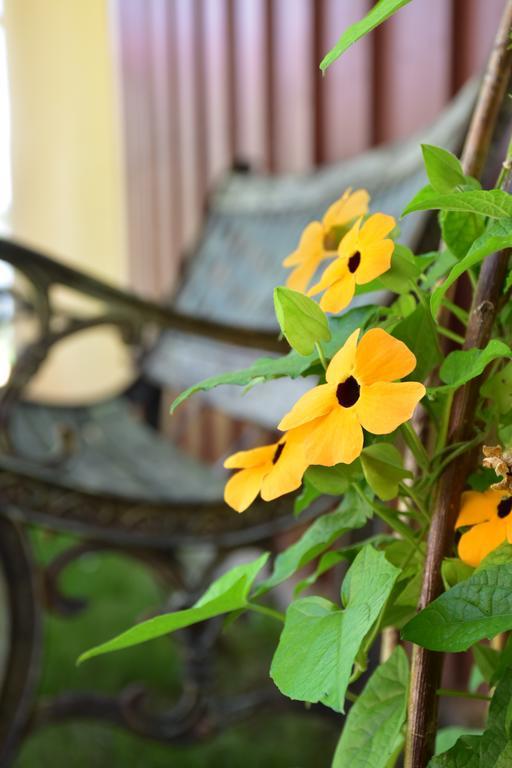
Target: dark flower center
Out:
[348,392]
[354,262]
[505,507]
[278,453]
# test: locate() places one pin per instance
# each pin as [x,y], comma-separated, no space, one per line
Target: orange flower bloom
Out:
[363,254]
[272,470]
[488,514]
[361,392]
[319,239]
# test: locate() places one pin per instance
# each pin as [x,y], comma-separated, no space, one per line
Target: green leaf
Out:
[292,364]
[306,497]
[493,203]
[498,389]
[473,610]
[333,481]
[331,558]
[418,332]
[463,365]
[447,737]
[383,469]
[444,170]
[504,662]
[404,270]
[319,536]
[409,558]
[460,230]
[226,594]
[464,754]
[487,660]
[373,728]
[453,571]
[496,237]
[494,746]
[442,264]
[502,555]
[301,320]
[320,642]
[381,11]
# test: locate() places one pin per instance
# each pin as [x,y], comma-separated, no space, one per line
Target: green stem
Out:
[321,355]
[448,692]
[456,311]
[385,514]
[450,334]
[462,448]
[409,491]
[443,424]
[415,446]
[266,611]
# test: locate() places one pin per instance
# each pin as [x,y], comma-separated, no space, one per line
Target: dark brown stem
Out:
[427,665]
[490,99]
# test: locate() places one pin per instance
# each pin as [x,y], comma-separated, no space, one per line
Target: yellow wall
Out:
[67,170]
[66,149]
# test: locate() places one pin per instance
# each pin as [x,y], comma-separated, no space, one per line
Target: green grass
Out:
[121,591]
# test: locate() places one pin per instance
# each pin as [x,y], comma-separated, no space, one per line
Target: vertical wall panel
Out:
[475,24]
[293,78]
[252,57]
[164,141]
[345,104]
[218,77]
[412,68]
[133,48]
[191,115]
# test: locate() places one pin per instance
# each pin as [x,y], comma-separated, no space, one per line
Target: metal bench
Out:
[99,471]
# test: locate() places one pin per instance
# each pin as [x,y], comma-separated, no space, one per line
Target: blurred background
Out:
[118,121]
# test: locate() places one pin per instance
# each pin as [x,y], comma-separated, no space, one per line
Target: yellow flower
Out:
[272,470]
[488,514]
[319,240]
[363,254]
[361,392]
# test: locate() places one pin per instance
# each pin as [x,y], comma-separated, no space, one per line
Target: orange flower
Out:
[361,392]
[363,254]
[488,514]
[319,239]
[272,470]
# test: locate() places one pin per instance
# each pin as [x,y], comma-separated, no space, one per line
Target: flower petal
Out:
[478,507]
[480,540]
[349,205]
[382,407]
[299,279]
[253,458]
[311,244]
[335,438]
[339,294]
[331,274]
[241,489]
[375,260]
[376,228]
[317,402]
[343,362]
[380,357]
[286,474]
[350,242]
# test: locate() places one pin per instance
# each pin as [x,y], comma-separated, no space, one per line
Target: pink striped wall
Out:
[205,82]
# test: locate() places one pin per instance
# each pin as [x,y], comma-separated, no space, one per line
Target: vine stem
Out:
[427,665]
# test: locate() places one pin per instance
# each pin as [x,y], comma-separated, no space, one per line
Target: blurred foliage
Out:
[120,591]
